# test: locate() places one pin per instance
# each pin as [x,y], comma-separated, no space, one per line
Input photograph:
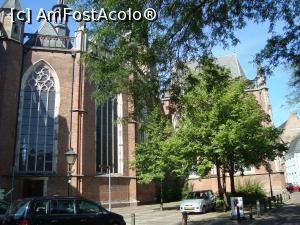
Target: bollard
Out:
[280,198]
[132,219]
[270,202]
[257,208]
[265,205]
[251,213]
[238,214]
[184,218]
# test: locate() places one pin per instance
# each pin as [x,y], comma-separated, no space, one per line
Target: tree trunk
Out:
[231,174]
[224,191]
[161,196]
[220,189]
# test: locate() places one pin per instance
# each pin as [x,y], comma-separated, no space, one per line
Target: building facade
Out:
[47,109]
[291,136]
[292,162]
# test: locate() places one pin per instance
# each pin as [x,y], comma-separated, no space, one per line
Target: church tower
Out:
[9,29]
[263,91]
[60,24]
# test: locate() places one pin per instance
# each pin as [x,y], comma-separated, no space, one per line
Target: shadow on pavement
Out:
[287,215]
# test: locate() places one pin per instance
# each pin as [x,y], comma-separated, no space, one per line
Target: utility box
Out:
[237,208]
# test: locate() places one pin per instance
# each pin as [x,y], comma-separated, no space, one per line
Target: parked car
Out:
[198,202]
[3,209]
[292,187]
[59,211]
[295,187]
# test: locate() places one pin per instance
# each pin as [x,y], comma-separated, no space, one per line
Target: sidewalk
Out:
[287,214]
[151,215]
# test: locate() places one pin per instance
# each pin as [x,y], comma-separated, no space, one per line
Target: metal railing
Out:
[48,41]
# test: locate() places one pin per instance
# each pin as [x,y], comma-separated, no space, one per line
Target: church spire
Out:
[12,4]
[260,76]
[61,23]
[60,5]
[9,29]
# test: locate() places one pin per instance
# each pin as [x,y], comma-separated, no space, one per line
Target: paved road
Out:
[151,215]
[288,214]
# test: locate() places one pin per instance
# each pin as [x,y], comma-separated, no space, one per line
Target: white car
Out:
[198,202]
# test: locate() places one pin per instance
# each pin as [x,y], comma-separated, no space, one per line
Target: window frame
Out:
[56,97]
[62,214]
[117,129]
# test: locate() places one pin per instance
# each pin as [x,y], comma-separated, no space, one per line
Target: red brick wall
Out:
[278,182]
[10,72]
[147,193]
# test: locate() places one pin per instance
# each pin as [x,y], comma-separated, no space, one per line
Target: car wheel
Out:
[204,209]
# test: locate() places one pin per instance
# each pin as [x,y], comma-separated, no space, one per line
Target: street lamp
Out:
[109,184]
[71,158]
[270,184]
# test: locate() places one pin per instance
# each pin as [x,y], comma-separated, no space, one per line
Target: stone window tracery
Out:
[36,141]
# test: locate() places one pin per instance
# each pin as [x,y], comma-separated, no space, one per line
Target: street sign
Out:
[237,205]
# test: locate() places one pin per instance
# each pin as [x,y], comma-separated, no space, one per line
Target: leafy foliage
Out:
[150,51]
[186,189]
[221,124]
[151,161]
[250,190]
[294,95]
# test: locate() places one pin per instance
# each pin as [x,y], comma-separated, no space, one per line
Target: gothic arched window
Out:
[36,143]
[107,137]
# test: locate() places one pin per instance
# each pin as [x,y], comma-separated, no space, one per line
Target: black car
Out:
[3,209]
[59,211]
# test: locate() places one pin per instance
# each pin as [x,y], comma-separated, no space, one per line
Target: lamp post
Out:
[109,184]
[270,183]
[71,157]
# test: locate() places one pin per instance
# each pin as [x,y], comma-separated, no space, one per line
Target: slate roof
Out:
[12,4]
[230,62]
[283,125]
[47,28]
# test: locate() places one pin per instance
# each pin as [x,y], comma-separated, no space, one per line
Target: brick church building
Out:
[46,109]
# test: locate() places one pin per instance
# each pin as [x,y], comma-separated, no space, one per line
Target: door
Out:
[40,212]
[88,213]
[62,212]
[33,188]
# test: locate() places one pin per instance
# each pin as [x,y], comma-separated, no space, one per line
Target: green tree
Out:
[294,96]
[150,51]
[151,160]
[221,125]
[138,57]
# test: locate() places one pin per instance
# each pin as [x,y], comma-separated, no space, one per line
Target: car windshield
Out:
[18,208]
[196,195]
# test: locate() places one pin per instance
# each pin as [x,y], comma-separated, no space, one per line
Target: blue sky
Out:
[252,39]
